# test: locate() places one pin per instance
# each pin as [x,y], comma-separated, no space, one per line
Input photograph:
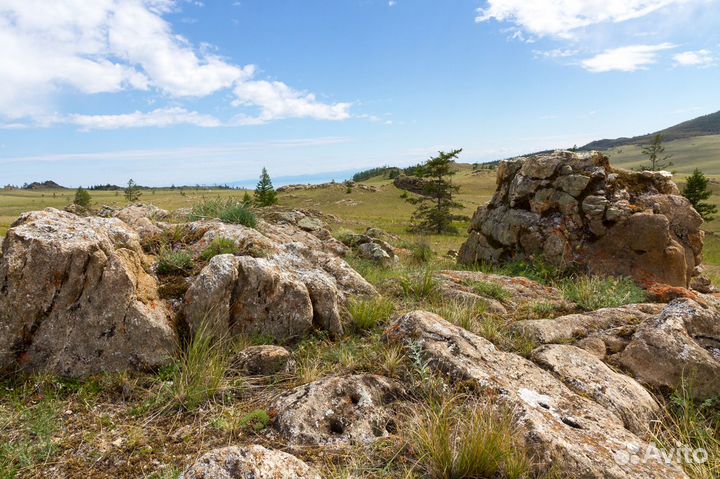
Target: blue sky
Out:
[211,91]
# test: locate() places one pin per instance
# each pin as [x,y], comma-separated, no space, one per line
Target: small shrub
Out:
[171,262]
[421,251]
[219,246]
[368,313]
[595,292]
[455,441]
[489,290]
[82,197]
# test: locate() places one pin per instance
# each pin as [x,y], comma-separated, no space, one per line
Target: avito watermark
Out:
[682,453]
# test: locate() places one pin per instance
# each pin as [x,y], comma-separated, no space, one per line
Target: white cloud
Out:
[694,58]
[559,18]
[108,46]
[555,53]
[161,117]
[276,101]
[627,59]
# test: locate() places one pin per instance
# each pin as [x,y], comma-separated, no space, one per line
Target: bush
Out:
[368,313]
[219,246]
[595,292]
[230,210]
[170,261]
[82,197]
[455,441]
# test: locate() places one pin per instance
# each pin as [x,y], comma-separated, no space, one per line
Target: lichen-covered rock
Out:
[75,298]
[262,360]
[558,425]
[249,462]
[585,374]
[336,410]
[575,326]
[498,293]
[576,211]
[681,344]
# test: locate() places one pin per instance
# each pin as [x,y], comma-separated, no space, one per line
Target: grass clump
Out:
[172,262]
[595,292]
[420,287]
[219,246]
[199,374]
[228,210]
[694,424]
[421,251]
[368,313]
[489,290]
[472,440]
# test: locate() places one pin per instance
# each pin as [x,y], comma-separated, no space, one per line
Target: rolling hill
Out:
[700,126]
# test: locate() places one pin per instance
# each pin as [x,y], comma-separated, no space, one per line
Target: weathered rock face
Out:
[75,298]
[681,343]
[249,462]
[560,426]
[585,374]
[576,211]
[499,294]
[338,410]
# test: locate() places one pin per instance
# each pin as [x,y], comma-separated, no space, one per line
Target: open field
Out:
[701,152]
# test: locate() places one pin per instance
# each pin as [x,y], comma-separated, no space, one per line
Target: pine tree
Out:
[655,152]
[433,214]
[265,194]
[82,197]
[696,190]
[132,192]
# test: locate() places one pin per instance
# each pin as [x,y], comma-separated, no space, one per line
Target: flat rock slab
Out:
[560,426]
[249,462]
[574,326]
[585,374]
[338,410]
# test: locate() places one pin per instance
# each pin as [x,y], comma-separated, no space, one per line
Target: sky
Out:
[210,91]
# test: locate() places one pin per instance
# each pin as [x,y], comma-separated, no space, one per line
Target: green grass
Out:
[420,286]
[594,292]
[228,210]
[489,290]
[468,441]
[219,246]
[170,261]
[368,313]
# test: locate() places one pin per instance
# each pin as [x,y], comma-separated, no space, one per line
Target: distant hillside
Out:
[45,185]
[700,126]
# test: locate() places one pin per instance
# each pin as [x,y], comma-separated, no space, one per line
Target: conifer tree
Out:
[434,205]
[132,192]
[82,197]
[696,190]
[655,152]
[265,194]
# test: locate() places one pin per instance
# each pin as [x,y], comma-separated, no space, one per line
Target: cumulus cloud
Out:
[559,18]
[626,59]
[109,46]
[694,58]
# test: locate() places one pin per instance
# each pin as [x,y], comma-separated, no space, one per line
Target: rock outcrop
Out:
[262,360]
[576,211]
[681,344]
[559,426]
[337,410]
[75,298]
[249,462]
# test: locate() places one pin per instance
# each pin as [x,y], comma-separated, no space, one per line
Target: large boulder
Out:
[336,410]
[249,462]
[558,425]
[75,298]
[576,211]
[680,344]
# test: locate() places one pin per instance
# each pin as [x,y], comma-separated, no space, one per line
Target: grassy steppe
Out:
[701,152]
